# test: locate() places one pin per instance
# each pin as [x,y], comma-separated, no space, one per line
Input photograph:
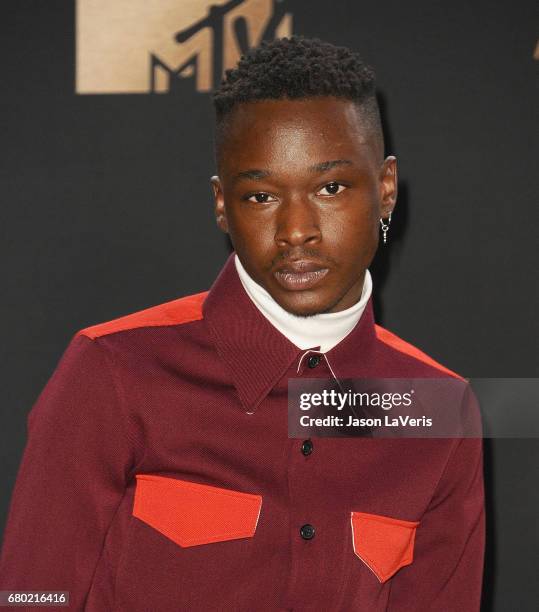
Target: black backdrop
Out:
[107,209]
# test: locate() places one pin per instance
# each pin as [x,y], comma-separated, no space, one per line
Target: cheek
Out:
[353,234]
[251,233]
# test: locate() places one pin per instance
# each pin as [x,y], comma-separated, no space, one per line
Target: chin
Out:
[305,308]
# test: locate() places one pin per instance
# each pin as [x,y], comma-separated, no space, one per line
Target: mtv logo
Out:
[137,46]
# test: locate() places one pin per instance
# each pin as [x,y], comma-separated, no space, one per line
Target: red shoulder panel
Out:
[180,310]
[399,344]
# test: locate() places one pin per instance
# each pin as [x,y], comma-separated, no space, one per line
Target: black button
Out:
[307,532]
[313,361]
[307,447]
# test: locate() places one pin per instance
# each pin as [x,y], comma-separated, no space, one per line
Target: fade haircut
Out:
[298,67]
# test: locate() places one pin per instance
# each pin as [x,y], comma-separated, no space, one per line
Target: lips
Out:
[300,274]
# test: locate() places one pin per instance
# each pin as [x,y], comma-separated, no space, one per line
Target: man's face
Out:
[301,189]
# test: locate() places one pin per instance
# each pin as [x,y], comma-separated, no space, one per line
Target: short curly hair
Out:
[299,67]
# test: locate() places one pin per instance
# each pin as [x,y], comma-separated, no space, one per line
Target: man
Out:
[158,473]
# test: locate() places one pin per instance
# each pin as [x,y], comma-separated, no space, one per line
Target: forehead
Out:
[294,133]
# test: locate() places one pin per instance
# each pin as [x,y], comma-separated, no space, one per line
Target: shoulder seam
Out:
[400,345]
[174,312]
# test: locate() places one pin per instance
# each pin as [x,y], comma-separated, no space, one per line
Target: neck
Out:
[322,331]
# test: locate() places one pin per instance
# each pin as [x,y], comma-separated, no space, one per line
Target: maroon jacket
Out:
[158,475]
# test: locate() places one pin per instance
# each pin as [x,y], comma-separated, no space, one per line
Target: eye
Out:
[333,188]
[260,198]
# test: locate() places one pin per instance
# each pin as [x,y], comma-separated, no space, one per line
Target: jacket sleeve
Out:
[447,568]
[71,479]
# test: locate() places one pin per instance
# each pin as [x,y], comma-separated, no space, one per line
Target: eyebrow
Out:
[257,174]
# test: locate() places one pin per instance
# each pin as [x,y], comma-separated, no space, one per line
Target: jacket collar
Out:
[256,354]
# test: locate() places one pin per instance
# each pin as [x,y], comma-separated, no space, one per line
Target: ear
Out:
[388,186]
[219,199]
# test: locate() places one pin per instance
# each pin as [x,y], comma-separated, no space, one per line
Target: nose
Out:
[297,223]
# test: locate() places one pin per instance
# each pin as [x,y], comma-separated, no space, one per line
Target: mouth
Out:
[299,275]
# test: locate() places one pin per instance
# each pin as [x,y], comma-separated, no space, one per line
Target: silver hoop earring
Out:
[385,227]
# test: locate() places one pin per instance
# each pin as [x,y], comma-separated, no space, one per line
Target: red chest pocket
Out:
[191,513]
[383,543]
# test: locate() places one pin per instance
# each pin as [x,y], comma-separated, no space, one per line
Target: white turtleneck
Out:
[325,330]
